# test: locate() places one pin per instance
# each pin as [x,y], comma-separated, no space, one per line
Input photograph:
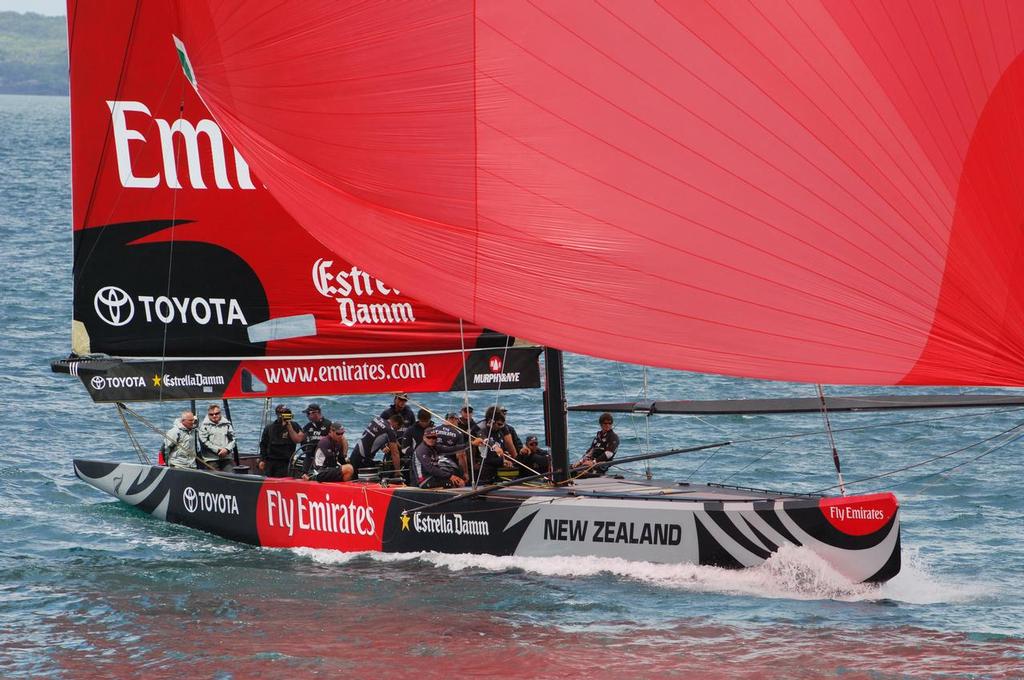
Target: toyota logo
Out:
[113,305]
[190,498]
[98,382]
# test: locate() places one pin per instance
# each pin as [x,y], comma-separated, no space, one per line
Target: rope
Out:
[1017,431]
[143,458]
[831,438]
[471,438]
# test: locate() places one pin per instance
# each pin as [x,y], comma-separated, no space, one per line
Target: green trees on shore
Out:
[33,54]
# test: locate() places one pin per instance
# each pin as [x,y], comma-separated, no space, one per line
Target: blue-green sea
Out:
[91,588]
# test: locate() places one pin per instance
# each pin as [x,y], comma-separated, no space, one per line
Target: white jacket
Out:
[216,436]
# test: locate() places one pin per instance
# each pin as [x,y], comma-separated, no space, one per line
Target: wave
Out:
[791,573]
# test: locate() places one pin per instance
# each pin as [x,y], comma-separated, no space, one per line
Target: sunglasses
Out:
[214,413]
[430,436]
[341,431]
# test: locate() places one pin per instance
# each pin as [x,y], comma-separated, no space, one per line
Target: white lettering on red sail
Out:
[343,285]
[180,130]
[181,250]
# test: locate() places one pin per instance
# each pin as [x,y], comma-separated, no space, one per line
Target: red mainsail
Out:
[185,263]
[822,190]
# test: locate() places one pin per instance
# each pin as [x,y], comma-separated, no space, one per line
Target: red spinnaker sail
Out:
[820,190]
[181,253]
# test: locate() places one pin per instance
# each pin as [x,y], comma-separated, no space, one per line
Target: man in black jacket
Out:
[277,445]
[400,406]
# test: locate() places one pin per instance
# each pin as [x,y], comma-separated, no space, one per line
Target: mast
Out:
[556,424]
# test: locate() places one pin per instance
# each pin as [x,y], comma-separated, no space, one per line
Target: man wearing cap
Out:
[329,463]
[314,430]
[535,457]
[400,406]
[432,468]
[466,422]
[277,445]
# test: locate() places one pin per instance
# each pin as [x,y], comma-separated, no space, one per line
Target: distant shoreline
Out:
[33,54]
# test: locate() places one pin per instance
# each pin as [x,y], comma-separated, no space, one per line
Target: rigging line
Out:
[831,438]
[756,460]
[857,428]
[170,254]
[935,475]
[497,398]
[465,401]
[1019,428]
[110,123]
[133,153]
[632,416]
[647,432]
[143,458]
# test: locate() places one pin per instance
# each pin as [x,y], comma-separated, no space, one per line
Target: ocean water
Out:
[92,588]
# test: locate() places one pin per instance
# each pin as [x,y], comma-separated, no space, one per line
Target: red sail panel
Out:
[818,191]
[180,251]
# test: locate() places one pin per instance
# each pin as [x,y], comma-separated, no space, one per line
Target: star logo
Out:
[405,522]
[156,381]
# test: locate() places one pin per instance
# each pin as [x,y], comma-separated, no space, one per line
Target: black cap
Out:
[312,407]
[467,408]
[429,431]
[531,439]
[450,415]
[402,395]
[281,408]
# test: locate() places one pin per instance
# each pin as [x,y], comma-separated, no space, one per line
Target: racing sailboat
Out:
[821,193]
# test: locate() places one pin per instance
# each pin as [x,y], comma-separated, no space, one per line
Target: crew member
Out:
[414,434]
[489,415]
[534,457]
[328,462]
[603,448]
[379,434]
[216,439]
[314,430]
[454,443]
[432,468]
[400,406]
[277,445]
[499,450]
[180,442]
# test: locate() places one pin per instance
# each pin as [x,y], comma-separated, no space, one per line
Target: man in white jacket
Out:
[180,442]
[216,439]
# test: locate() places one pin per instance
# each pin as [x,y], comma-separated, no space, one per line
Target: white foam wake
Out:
[792,572]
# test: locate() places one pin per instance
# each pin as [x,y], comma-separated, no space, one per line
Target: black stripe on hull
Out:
[712,554]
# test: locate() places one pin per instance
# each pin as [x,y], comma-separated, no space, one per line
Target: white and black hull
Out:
[665,523]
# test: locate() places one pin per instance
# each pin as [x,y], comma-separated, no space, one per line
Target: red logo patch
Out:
[306,514]
[495,364]
[859,515]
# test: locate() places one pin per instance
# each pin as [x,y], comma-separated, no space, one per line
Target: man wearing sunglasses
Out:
[329,462]
[603,448]
[432,467]
[216,439]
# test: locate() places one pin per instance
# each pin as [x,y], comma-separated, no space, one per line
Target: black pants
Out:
[275,468]
[536,461]
[331,474]
[215,463]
